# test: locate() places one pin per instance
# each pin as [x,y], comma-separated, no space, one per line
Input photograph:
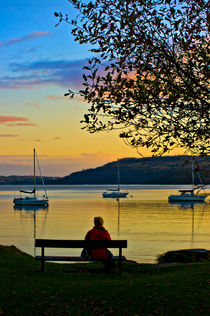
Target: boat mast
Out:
[37,160]
[34,173]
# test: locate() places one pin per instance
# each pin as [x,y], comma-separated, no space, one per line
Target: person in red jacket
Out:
[98,232]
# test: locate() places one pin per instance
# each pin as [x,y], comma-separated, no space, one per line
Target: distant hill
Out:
[15,180]
[158,170]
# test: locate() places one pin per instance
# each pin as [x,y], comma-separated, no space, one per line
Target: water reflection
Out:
[31,208]
[185,205]
[32,212]
[118,217]
[151,225]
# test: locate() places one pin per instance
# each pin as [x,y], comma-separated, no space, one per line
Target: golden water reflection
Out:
[151,225]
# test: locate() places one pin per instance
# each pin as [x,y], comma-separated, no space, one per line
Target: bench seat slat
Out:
[48,243]
[64,258]
[89,244]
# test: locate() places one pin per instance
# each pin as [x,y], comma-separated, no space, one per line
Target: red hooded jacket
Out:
[98,233]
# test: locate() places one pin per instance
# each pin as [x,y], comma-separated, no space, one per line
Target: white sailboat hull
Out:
[187,198]
[30,201]
[190,195]
[115,194]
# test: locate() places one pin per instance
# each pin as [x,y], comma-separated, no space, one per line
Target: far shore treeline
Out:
[157,170]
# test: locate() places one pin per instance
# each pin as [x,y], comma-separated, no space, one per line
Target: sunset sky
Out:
[39,62]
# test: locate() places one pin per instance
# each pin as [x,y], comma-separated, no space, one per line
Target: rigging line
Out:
[41,176]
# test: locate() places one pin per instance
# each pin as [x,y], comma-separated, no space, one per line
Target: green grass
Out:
[83,289]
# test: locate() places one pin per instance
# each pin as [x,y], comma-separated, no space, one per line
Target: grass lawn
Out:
[83,289]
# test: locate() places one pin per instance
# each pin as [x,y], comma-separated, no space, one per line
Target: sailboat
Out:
[33,199]
[115,193]
[191,195]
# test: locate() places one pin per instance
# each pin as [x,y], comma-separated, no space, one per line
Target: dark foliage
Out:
[150,78]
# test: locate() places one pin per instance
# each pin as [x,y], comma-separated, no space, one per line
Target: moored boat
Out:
[187,195]
[33,199]
[115,193]
[191,195]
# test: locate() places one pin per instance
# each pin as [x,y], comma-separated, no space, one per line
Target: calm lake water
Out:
[151,225]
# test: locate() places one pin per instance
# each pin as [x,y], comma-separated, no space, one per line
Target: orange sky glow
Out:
[39,63]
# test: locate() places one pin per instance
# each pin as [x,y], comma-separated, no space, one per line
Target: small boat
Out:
[190,195]
[187,195]
[33,199]
[115,193]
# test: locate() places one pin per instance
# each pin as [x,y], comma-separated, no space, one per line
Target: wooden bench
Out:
[89,244]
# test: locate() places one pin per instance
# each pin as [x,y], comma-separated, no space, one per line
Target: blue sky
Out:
[39,62]
[30,43]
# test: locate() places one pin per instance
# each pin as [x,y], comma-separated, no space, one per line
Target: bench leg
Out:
[120,261]
[42,259]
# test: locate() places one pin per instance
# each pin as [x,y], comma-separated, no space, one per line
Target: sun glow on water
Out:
[150,224]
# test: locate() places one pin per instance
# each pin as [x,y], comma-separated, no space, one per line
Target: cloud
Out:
[52,166]
[50,65]
[44,73]
[8,135]
[77,97]
[21,82]
[26,124]
[33,104]
[28,37]
[55,97]
[15,165]
[10,120]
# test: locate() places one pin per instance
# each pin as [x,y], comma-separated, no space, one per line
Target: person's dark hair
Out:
[98,221]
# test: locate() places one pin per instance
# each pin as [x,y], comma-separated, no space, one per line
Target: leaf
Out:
[153,71]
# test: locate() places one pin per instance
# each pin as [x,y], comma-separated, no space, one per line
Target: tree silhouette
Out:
[150,75]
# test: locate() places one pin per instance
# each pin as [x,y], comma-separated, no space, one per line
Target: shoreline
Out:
[78,289]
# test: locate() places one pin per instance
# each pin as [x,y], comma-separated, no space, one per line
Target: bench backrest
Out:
[54,243]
